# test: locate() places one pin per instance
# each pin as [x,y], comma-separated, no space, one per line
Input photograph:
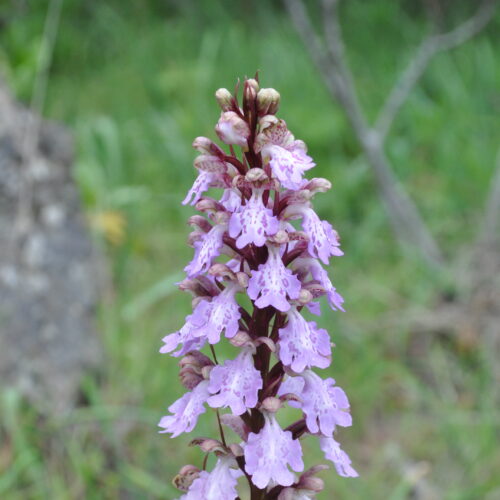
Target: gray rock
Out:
[48,267]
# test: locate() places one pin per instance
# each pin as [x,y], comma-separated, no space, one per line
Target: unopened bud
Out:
[236,424]
[224,99]
[267,121]
[253,84]
[305,296]
[288,494]
[290,397]
[256,175]
[208,445]
[208,205]
[205,372]
[314,470]
[188,285]
[210,163]
[299,197]
[206,146]
[315,289]
[312,483]
[201,222]
[242,279]
[271,404]
[267,341]
[236,449]
[185,478]
[221,217]
[238,181]
[192,369]
[195,358]
[268,101]
[280,238]
[250,93]
[318,185]
[220,270]
[232,129]
[240,339]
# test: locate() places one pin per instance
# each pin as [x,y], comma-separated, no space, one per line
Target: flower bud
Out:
[287,494]
[241,339]
[210,163]
[250,92]
[205,146]
[238,181]
[232,129]
[267,341]
[242,279]
[271,404]
[280,238]
[299,197]
[220,270]
[224,99]
[318,185]
[208,205]
[305,296]
[208,445]
[314,470]
[205,372]
[312,483]
[290,397]
[267,121]
[185,478]
[193,286]
[315,289]
[192,365]
[268,101]
[221,217]
[256,175]
[253,84]
[200,222]
[236,424]
[236,449]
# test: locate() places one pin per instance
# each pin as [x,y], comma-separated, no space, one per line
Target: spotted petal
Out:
[288,164]
[235,384]
[253,223]
[206,250]
[268,454]
[302,344]
[185,411]
[340,458]
[272,282]
[323,239]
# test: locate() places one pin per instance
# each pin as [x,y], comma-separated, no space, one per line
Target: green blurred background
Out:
[134,80]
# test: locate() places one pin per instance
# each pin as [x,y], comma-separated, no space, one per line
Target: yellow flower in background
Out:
[112,224]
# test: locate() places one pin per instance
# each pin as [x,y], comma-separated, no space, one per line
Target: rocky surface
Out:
[48,271]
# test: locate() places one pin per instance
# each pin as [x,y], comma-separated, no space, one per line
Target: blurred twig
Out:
[328,55]
[430,46]
[33,120]
[489,229]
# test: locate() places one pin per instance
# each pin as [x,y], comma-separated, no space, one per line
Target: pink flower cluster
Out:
[261,238]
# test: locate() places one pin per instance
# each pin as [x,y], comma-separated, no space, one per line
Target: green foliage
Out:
[135,82]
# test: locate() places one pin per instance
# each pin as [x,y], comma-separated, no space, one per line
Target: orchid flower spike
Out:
[253,275]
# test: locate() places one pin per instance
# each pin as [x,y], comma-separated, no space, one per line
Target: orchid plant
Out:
[262,238]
